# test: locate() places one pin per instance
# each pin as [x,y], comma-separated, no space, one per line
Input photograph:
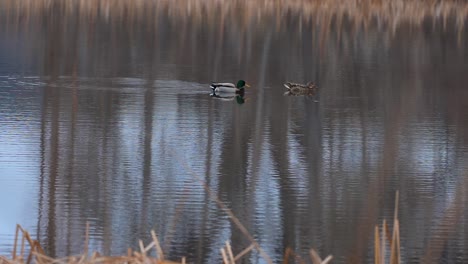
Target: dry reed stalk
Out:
[226,252]
[4,260]
[40,257]
[244,252]
[395,251]
[16,242]
[316,258]
[142,248]
[22,245]
[377,254]
[383,241]
[36,253]
[380,239]
[157,245]
[149,246]
[229,251]
[327,259]
[225,258]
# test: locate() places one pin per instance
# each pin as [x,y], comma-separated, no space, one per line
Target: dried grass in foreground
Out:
[28,250]
[36,253]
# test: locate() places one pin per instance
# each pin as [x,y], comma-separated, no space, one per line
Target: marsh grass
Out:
[326,13]
[28,250]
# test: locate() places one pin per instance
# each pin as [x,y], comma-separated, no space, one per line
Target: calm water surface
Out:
[107,118]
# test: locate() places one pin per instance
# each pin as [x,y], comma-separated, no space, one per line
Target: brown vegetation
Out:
[362,13]
[31,251]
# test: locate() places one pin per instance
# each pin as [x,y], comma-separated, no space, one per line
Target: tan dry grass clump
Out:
[30,251]
[383,241]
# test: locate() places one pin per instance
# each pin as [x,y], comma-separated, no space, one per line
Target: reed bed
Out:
[361,13]
[28,250]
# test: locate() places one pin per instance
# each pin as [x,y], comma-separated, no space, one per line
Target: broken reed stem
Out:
[42,256]
[315,257]
[395,253]
[377,257]
[142,248]
[243,252]
[395,250]
[327,259]
[225,259]
[394,239]
[383,244]
[16,242]
[157,245]
[149,246]
[229,250]
[4,260]
[22,246]
[398,243]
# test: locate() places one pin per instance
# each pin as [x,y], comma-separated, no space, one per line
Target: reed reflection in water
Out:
[104,107]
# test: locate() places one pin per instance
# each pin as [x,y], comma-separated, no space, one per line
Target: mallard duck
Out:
[229,87]
[298,89]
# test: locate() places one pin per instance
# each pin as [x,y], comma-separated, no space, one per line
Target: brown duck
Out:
[298,89]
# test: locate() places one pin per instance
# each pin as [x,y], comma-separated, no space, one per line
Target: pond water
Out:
[106,118]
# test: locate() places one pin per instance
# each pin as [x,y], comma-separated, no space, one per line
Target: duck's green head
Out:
[241,84]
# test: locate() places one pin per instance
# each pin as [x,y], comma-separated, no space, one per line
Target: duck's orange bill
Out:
[246,85]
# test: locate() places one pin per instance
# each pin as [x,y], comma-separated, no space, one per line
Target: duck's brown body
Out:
[298,89]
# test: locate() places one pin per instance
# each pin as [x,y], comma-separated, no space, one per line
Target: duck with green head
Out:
[229,87]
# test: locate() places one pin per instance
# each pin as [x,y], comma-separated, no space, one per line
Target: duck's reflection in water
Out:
[238,97]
